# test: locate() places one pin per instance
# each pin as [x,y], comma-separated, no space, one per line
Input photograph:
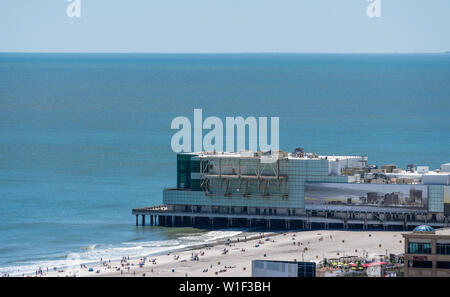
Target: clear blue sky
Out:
[168,26]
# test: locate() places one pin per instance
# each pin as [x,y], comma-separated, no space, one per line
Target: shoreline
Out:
[90,263]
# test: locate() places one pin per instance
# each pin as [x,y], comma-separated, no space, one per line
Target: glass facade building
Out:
[436,198]
[243,191]
[286,195]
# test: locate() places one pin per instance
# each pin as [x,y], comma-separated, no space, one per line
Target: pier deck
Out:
[161,216]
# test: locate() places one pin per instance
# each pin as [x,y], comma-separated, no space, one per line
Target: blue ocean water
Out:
[84,138]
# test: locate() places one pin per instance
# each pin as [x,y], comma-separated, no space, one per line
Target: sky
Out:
[225,26]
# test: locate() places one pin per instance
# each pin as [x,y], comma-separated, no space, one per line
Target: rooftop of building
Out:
[425,230]
[416,174]
[280,154]
[443,231]
[391,171]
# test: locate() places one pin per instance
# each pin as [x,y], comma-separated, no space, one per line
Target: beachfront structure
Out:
[427,252]
[298,190]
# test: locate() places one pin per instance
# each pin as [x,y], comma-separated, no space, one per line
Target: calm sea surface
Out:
[86,138]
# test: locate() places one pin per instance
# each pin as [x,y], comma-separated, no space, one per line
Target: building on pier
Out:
[298,190]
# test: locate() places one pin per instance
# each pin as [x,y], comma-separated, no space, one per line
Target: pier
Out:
[303,191]
[162,216]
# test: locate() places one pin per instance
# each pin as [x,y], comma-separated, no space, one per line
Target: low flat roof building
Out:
[427,252]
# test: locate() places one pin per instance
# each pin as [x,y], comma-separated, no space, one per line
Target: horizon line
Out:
[220,53]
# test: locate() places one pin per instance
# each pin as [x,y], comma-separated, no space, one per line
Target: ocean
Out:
[84,138]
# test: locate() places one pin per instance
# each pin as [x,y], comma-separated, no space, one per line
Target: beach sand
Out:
[288,246]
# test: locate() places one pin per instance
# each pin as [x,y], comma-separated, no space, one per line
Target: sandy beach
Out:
[212,261]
